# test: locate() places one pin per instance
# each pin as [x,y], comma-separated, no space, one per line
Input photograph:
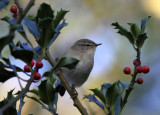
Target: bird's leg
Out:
[75,93]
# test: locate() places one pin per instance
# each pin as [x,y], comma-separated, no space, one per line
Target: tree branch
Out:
[19,6]
[76,101]
[27,8]
[133,80]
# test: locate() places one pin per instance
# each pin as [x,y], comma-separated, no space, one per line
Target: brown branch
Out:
[19,6]
[133,80]
[27,8]
[76,101]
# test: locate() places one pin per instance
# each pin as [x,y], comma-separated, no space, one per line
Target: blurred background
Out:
[92,19]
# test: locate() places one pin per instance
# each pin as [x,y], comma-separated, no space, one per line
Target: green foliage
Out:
[4,73]
[46,92]
[47,24]
[11,110]
[110,97]
[5,41]
[135,36]
[124,32]
[22,54]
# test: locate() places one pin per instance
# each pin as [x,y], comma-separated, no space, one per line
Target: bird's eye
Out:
[87,44]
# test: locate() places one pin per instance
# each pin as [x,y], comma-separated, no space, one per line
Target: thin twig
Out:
[19,6]
[27,8]
[131,85]
[76,101]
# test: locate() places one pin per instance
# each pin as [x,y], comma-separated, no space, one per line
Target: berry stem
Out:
[133,80]
[19,6]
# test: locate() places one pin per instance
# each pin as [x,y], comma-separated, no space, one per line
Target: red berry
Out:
[127,70]
[14,15]
[36,76]
[13,9]
[139,69]
[135,62]
[139,80]
[145,69]
[39,64]
[32,63]
[26,68]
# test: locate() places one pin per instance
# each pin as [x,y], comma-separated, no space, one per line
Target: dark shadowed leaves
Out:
[47,13]
[46,92]
[140,40]
[11,110]
[5,74]
[5,40]
[49,25]
[22,54]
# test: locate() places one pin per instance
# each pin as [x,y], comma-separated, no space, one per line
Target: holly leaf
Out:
[99,94]
[5,74]
[11,110]
[47,13]
[47,31]
[113,96]
[92,98]
[22,54]
[46,92]
[49,25]
[57,32]
[59,17]
[32,27]
[5,40]
[144,23]
[105,87]
[37,49]
[141,39]
[67,62]
[134,29]
[124,32]
[34,91]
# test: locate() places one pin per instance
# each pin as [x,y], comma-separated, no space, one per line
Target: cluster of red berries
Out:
[13,9]
[39,65]
[139,69]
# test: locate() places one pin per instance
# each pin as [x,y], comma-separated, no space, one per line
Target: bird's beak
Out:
[98,44]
